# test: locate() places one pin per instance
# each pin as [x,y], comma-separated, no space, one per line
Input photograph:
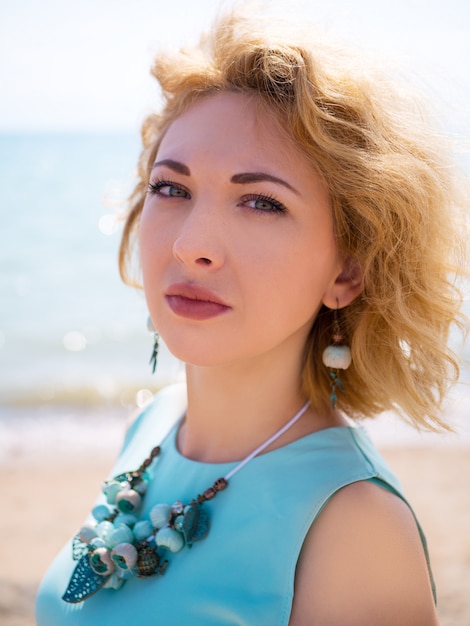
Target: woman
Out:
[289,216]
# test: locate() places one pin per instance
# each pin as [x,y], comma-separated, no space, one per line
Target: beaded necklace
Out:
[117,545]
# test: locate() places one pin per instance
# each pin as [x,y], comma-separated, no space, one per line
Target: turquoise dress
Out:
[243,572]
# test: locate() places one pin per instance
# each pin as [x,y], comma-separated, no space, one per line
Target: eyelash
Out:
[278,207]
[155,187]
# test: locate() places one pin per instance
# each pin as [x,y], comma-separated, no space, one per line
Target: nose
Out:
[200,240]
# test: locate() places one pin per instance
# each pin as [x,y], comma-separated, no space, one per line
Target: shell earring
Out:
[156,337]
[336,356]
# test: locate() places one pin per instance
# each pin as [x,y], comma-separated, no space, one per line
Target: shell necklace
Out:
[116,545]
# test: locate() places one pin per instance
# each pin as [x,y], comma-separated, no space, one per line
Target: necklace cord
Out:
[269,441]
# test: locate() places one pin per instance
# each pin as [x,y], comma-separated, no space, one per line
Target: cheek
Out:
[145,234]
[287,292]
[303,264]
[148,227]
[151,241]
[151,256]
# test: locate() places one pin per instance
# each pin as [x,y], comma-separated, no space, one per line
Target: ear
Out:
[347,285]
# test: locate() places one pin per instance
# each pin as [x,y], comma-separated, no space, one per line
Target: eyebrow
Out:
[176,166]
[243,178]
[256,177]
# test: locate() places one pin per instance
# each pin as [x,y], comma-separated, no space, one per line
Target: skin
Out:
[264,246]
[362,564]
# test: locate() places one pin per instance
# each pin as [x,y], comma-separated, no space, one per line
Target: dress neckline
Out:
[172,441]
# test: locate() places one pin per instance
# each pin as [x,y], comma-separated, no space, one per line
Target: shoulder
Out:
[363,563]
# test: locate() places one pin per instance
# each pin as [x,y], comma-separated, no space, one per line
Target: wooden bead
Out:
[220,484]
[209,493]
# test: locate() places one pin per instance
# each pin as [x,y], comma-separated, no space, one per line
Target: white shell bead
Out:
[110,490]
[97,542]
[122,534]
[170,539]
[142,530]
[105,530]
[87,533]
[159,515]
[100,561]
[124,556]
[100,512]
[337,357]
[128,500]
[125,518]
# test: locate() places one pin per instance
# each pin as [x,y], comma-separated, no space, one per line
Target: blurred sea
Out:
[74,347]
[71,334]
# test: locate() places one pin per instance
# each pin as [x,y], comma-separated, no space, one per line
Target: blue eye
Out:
[174,192]
[168,189]
[264,204]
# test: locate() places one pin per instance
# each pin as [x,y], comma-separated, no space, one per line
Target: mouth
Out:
[194,302]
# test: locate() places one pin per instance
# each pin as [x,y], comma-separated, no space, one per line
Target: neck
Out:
[234,409]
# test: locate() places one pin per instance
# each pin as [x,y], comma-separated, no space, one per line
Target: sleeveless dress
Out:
[243,572]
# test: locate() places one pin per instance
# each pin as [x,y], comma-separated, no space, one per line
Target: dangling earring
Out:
[153,359]
[337,356]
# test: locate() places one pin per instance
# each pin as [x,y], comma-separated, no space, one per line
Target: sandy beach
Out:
[435,478]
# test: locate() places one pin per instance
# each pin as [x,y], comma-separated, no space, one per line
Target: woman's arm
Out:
[363,564]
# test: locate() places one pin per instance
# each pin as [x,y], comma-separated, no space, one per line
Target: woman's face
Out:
[236,237]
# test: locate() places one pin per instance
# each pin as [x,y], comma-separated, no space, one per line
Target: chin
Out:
[205,357]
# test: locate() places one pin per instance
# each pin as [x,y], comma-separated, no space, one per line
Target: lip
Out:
[194,302]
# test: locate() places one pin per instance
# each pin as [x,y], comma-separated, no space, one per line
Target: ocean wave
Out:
[127,397]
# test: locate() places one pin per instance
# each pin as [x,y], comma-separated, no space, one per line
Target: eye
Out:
[167,189]
[263,204]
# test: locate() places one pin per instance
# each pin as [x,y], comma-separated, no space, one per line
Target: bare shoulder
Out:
[363,564]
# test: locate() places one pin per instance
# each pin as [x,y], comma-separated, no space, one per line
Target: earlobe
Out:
[347,285]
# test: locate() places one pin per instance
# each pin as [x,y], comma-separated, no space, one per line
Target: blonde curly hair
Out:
[393,195]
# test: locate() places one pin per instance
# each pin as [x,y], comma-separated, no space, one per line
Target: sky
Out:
[84,66]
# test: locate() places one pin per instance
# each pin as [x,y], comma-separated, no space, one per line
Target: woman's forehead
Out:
[232,126]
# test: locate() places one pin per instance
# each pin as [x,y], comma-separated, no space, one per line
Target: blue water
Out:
[70,331]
